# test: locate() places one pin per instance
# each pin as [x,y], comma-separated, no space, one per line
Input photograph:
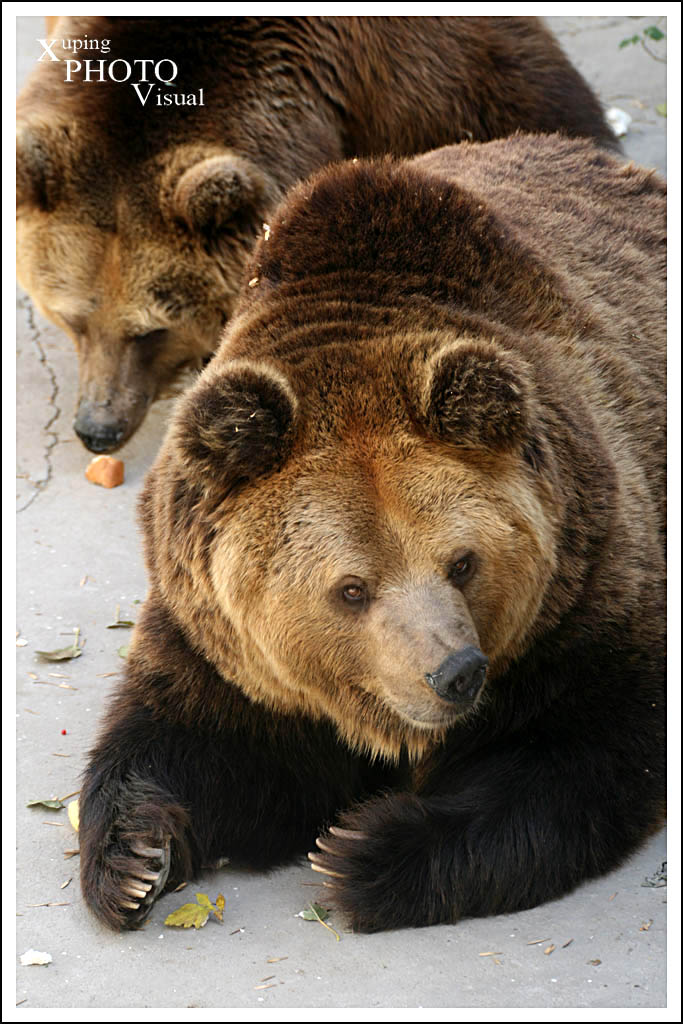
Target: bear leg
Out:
[493,834]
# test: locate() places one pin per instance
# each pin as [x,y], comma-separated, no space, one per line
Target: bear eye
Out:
[462,569]
[151,336]
[354,592]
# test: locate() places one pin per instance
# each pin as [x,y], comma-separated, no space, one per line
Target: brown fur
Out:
[433,436]
[135,222]
[356,451]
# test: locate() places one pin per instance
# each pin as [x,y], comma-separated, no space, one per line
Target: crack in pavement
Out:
[34,331]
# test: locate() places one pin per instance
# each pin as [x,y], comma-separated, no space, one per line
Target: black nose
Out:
[99,440]
[98,433]
[460,676]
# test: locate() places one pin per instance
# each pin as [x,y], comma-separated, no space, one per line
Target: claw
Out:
[147,851]
[320,843]
[136,890]
[346,833]
[129,905]
[317,866]
[147,876]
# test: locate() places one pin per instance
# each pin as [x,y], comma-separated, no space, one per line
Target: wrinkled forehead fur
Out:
[348,395]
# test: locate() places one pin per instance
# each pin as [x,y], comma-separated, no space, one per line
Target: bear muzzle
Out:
[460,676]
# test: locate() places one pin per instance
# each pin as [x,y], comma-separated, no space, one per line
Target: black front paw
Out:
[130,857]
[382,867]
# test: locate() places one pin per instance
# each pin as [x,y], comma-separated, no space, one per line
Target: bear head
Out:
[139,263]
[365,540]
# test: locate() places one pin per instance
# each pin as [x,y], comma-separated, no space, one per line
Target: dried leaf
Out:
[657,879]
[123,651]
[548,951]
[32,957]
[661,109]
[195,915]
[314,913]
[317,913]
[72,811]
[645,927]
[220,906]
[121,624]
[52,804]
[190,915]
[62,654]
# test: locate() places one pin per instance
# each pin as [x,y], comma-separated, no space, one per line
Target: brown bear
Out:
[151,151]
[405,548]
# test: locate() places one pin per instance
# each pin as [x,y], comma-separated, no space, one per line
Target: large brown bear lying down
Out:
[136,218]
[405,549]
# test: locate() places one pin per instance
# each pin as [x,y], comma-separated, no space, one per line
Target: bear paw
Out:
[382,869]
[129,879]
[127,861]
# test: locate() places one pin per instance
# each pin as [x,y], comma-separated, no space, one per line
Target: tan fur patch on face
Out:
[394,513]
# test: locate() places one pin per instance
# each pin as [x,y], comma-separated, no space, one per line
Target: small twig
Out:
[63,798]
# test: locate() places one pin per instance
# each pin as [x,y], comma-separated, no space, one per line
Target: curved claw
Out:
[138,890]
[317,865]
[146,876]
[346,833]
[147,851]
[143,884]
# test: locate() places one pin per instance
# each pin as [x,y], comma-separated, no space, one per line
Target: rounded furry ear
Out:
[475,395]
[236,425]
[210,192]
[40,173]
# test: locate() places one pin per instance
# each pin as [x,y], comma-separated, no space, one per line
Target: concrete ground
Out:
[78,560]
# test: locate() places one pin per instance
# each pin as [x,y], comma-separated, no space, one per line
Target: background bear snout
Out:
[460,675]
[98,428]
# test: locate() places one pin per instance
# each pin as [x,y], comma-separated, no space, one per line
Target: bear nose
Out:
[99,433]
[460,676]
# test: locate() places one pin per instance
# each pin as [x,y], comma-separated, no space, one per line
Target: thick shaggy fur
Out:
[135,222]
[436,423]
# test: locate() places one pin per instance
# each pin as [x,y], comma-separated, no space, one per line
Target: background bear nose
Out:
[460,676]
[97,428]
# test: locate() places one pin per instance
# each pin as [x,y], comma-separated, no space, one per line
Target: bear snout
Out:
[102,428]
[460,676]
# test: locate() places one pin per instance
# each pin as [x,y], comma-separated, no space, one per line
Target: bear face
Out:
[405,548]
[143,288]
[375,552]
[135,220]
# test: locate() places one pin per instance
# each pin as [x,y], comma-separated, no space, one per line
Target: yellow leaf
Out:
[72,811]
[190,915]
[220,906]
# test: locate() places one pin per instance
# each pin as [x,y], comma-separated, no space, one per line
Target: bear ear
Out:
[475,396]
[236,425]
[40,174]
[209,193]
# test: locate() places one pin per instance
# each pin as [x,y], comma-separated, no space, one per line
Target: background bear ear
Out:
[40,174]
[475,395]
[236,425]
[209,193]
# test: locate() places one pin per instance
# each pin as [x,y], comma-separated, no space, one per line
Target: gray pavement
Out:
[78,558]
